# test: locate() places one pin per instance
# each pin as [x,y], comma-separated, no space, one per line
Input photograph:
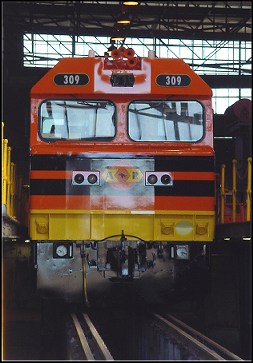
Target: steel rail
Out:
[207,348]
[103,348]
[85,345]
[205,339]
[93,347]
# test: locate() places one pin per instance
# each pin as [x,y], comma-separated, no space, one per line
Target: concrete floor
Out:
[21,334]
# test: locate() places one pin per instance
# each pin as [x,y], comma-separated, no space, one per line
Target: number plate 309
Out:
[173,80]
[73,79]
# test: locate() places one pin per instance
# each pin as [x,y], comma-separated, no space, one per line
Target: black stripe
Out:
[203,188]
[162,163]
[64,187]
[57,187]
[184,163]
[59,162]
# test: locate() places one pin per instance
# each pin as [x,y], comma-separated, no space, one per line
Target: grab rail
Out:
[12,185]
[245,208]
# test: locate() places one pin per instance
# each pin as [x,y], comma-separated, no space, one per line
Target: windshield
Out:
[77,120]
[165,121]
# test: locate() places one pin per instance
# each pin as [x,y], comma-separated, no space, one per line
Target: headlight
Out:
[152,179]
[79,178]
[165,179]
[159,178]
[85,178]
[92,178]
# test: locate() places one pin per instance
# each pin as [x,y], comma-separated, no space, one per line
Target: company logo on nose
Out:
[122,176]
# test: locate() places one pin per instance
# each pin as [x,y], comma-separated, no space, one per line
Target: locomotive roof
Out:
[170,76]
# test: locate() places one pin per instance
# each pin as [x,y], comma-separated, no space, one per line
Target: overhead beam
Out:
[161,8]
[137,33]
[228,81]
[177,20]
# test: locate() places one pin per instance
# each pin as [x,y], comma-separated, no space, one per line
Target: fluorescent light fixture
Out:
[124,19]
[118,37]
[130,3]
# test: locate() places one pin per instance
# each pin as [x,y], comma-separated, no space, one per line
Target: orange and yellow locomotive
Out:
[122,168]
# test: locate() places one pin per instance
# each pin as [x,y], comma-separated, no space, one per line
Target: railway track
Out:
[90,344]
[178,341]
[131,333]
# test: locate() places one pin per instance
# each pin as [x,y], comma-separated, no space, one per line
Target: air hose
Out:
[83,257]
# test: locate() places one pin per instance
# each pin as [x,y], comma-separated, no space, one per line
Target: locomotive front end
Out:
[122,170]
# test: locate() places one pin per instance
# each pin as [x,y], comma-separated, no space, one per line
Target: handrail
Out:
[223,194]
[249,190]
[235,204]
[4,170]
[234,190]
[9,179]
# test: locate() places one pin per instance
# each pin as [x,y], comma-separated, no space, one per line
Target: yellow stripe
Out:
[136,212]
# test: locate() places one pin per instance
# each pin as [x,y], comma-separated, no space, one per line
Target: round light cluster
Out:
[165,179]
[80,179]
